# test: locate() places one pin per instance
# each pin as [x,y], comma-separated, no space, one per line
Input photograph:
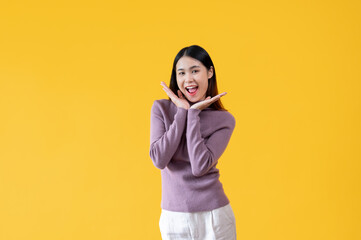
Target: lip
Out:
[191,86]
[192,94]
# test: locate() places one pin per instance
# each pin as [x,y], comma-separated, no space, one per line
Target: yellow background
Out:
[78,79]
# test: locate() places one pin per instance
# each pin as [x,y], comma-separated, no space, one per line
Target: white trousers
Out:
[218,224]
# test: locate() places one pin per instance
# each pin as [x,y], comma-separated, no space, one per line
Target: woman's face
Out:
[192,78]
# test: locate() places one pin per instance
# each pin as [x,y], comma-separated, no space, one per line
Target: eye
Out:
[195,71]
[180,73]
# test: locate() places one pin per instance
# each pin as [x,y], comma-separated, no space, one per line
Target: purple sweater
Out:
[186,145]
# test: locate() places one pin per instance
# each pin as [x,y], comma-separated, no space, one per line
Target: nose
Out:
[188,78]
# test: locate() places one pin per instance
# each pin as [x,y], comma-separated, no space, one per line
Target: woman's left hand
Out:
[207,102]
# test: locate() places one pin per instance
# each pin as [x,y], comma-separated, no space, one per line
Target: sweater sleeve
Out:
[164,143]
[204,153]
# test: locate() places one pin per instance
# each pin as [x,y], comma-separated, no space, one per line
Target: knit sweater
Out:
[186,145]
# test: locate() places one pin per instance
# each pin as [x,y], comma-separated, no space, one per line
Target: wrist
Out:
[197,110]
[183,107]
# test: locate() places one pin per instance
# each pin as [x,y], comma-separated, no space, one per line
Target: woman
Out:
[189,132]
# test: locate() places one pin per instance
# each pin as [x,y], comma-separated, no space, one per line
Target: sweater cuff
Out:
[181,112]
[194,111]
[180,109]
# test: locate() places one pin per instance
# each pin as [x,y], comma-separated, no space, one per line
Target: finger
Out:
[163,84]
[170,93]
[180,94]
[222,94]
[167,90]
[215,98]
[165,87]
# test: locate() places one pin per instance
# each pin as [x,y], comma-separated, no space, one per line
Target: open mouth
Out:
[192,90]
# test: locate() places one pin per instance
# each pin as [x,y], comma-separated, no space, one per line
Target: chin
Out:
[190,100]
[194,101]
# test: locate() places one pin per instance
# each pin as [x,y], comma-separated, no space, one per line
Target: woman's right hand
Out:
[179,100]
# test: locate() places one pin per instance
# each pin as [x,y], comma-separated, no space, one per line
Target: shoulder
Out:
[162,105]
[222,117]
[228,117]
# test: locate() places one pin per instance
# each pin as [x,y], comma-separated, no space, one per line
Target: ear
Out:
[210,72]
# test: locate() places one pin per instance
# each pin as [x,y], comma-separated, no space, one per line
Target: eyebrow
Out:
[189,68]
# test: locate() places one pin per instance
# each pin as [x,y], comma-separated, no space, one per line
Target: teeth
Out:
[190,87]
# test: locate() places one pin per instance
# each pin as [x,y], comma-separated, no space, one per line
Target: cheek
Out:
[180,84]
[205,86]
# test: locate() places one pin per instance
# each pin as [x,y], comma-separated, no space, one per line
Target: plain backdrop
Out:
[77,82]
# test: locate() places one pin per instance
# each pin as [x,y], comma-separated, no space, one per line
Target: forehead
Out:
[186,62]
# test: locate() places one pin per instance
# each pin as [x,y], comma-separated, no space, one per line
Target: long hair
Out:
[201,55]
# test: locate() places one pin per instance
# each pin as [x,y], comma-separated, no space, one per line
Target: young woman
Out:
[189,132]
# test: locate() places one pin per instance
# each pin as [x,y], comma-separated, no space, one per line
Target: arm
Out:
[204,153]
[163,143]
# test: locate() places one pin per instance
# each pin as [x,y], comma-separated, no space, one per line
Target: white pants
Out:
[218,224]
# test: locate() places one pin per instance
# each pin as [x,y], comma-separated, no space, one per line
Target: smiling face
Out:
[192,78]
